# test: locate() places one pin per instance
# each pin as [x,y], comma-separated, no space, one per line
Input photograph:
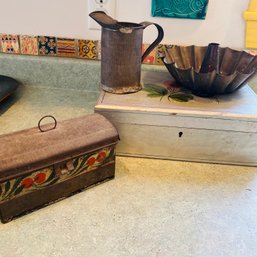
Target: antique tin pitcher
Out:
[121,53]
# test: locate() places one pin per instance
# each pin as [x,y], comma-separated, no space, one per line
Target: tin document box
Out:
[47,163]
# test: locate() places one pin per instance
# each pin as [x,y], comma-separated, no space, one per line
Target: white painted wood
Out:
[178,120]
[206,130]
[187,144]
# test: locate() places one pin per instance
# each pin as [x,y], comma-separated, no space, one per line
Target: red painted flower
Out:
[40,178]
[101,156]
[171,84]
[91,161]
[27,182]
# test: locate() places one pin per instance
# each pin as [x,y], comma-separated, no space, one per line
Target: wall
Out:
[68,18]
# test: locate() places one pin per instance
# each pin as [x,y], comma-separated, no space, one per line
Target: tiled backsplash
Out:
[61,47]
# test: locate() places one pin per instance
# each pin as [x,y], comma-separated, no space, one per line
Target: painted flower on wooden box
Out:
[188,9]
[170,89]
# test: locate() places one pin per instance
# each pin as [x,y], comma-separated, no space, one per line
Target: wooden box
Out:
[38,167]
[179,126]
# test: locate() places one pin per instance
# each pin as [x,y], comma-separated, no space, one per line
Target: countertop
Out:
[152,207]
[25,108]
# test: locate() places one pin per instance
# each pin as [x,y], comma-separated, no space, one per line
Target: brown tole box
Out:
[47,163]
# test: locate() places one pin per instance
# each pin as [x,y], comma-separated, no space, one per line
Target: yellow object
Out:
[251,25]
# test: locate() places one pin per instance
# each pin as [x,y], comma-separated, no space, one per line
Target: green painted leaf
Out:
[153,95]
[18,190]
[51,177]
[81,166]
[155,90]
[7,186]
[181,97]
[110,157]
[52,182]
[190,96]
[75,163]
[16,183]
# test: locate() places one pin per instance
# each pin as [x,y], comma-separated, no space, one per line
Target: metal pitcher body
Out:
[121,59]
[121,53]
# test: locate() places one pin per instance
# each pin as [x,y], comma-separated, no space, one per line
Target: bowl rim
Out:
[163,56]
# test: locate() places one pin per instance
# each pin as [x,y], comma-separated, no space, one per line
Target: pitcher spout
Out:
[104,20]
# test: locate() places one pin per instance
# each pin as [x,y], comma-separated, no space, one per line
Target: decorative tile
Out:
[88,49]
[47,45]
[150,58]
[29,45]
[99,50]
[10,43]
[67,47]
[159,49]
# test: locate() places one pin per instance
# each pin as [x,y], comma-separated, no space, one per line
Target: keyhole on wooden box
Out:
[180,134]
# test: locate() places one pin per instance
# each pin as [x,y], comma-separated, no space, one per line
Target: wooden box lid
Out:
[236,111]
[32,149]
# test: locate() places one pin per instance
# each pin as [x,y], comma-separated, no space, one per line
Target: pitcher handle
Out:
[156,41]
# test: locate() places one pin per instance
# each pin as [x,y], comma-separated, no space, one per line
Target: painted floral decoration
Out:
[170,89]
[50,176]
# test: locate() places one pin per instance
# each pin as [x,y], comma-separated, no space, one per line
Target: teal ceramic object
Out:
[187,9]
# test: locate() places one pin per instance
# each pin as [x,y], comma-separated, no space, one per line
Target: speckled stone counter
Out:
[64,88]
[50,71]
[30,103]
[153,208]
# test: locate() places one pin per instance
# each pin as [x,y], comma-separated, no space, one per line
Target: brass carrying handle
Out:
[47,116]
